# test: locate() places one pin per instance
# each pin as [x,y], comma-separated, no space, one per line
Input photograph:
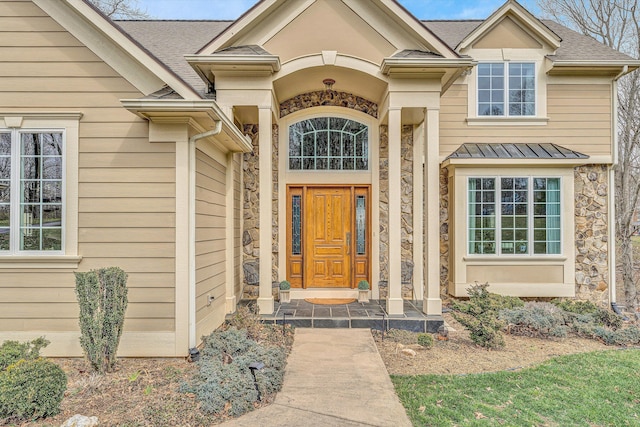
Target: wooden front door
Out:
[327,236]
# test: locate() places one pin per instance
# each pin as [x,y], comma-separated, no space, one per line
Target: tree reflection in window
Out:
[328,143]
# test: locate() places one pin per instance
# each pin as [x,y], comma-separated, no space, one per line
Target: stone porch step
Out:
[303,314]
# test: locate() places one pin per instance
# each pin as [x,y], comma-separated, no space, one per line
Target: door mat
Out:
[330,301]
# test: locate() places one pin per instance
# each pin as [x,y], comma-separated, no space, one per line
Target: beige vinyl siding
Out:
[210,243]
[237,227]
[126,188]
[579,119]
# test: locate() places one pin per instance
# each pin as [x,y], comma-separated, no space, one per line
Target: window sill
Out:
[35,261]
[514,259]
[507,121]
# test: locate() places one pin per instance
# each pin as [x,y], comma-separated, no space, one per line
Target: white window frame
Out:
[506,76]
[498,216]
[66,123]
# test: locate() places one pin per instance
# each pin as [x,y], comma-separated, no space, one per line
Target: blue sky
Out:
[231,9]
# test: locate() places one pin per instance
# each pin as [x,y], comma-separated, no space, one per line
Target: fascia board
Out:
[271,62]
[389,64]
[522,14]
[108,42]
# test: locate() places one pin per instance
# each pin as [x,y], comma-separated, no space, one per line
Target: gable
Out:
[507,34]
[329,26]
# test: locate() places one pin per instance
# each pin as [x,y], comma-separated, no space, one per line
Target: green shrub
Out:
[13,351]
[31,389]
[102,296]
[576,306]
[480,315]
[535,319]
[363,285]
[285,285]
[425,340]
[224,382]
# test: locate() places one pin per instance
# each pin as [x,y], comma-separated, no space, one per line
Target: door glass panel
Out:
[361,225]
[296,226]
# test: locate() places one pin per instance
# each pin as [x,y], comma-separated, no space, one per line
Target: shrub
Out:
[31,389]
[224,382]
[363,285]
[535,319]
[13,351]
[480,315]
[102,296]
[425,340]
[576,306]
[285,285]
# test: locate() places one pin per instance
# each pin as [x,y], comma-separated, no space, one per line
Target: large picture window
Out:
[514,215]
[506,89]
[328,143]
[31,185]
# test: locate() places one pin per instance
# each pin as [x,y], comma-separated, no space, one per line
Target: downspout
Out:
[192,228]
[612,206]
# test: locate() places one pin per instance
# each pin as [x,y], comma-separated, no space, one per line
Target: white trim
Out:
[370,177]
[507,121]
[522,15]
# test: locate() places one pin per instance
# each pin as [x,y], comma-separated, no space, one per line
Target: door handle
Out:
[348,243]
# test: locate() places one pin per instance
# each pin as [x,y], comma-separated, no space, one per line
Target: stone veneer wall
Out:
[444,231]
[406,208]
[251,219]
[592,234]
[328,98]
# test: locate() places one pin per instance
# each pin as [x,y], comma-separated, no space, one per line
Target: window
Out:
[31,186]
[328,143]
[514,215]
[511,96]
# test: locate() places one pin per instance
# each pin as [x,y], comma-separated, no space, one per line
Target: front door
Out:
[327,238]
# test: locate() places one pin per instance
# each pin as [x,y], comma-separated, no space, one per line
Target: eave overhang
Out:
[204,115]
[246,65]
[591,68]
[446,69]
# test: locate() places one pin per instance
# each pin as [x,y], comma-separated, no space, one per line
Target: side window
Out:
[31,185]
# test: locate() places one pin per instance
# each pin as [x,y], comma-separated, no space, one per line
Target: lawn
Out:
[588,389]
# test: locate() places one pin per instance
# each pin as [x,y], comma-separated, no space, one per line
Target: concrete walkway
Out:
[334,377]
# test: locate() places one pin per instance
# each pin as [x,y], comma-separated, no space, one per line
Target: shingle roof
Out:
[252,49]
[169,41]
[514,151]
[574,46]
[413,53]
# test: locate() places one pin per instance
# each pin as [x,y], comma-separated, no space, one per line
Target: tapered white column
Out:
[394,299]
[432,304]
[265,298]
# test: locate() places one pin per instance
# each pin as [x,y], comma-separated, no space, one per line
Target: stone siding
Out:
[328,98]
[444,231]
[251,218]
[591,231]
[406,214]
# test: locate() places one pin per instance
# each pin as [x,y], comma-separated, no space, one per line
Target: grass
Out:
[588,389]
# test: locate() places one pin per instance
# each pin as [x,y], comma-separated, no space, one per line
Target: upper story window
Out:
[329,143]
[514,215]
[506,89]
[31,187]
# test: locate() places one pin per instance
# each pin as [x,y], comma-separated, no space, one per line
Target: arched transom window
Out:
[328,143]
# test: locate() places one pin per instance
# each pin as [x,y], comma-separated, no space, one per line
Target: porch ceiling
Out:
[346,80]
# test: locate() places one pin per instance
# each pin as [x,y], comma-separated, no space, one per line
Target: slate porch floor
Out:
[303,314]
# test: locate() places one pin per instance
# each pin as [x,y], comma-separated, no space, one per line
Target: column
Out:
[230,278]
[265,298]
[394,299]
[432,304]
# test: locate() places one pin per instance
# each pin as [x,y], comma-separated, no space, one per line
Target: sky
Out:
[232,9]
